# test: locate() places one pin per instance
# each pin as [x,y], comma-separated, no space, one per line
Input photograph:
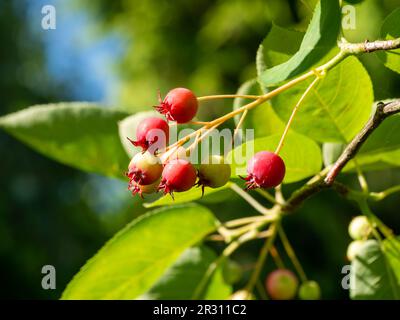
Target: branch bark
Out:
[383,111]
[367,46]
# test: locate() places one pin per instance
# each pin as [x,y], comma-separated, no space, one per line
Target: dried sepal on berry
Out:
[144,168]
[136,188]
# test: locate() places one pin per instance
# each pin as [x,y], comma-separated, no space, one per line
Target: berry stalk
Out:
[262,257]
[291,254]
[227,96]
[295,109]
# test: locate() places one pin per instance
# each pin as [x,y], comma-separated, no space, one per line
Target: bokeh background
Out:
[120,53]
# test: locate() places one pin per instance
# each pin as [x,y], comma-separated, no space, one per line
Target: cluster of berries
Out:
[155,169]
[282,284]
[360,229]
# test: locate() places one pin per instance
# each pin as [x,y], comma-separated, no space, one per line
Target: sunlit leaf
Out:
[136,257]
[192,264]
[384,141]
[188,196]
[331,152]
[273,51]
[335,109]
[319,39]
[391,30]
[82,135]
[261,119]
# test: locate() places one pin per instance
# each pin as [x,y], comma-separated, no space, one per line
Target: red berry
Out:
[265,170]
[179,105]
[281,284]
[152,133]
[144,169]
[178,175]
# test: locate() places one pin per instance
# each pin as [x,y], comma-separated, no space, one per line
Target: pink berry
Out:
[152,133]
[178,175]
[144,169]
[281,284]
[265,170]
[179,105]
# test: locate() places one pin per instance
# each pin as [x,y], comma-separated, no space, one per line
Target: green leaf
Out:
[183,197]
[181,280]
[263,119]
[335,109]
[354,1]
[391,30]
[136,257]
[384,142]
[127,129]
[391,249]
[382,148]
[302,155]
[392,158]
[81,135]
[273,51]
[319,39]
[372,277]
[369,164]
[331,152]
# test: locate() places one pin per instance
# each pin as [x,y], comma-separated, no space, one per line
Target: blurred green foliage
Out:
[47,215]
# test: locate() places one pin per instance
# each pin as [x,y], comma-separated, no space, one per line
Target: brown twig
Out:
[382,112]
[367,46]
[327,180]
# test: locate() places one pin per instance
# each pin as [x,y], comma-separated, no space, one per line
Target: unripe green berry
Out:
[360,228]
[214,172]
[354,248]
[310,290]
[232,272]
